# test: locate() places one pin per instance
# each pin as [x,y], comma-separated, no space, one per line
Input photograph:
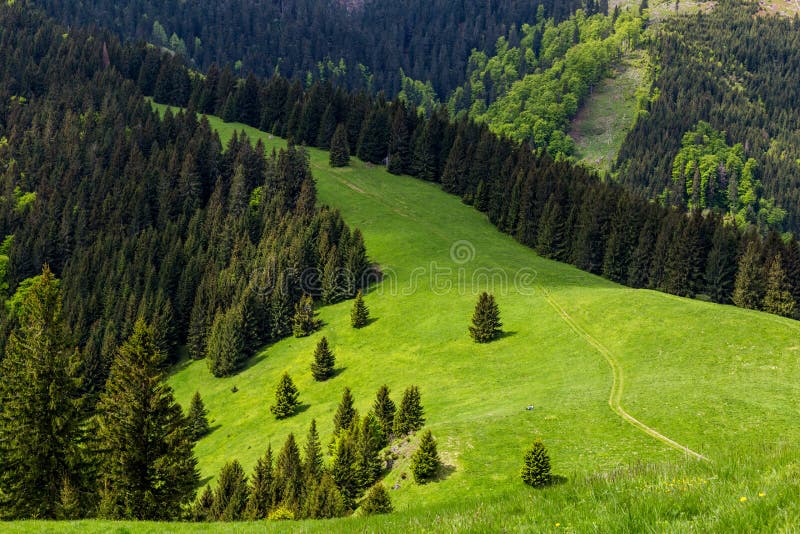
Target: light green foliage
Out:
[14,304]
[418,93]
[23,199]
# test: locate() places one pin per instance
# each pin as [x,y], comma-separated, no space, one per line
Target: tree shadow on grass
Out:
[504,334]
[204,481]
[336,372]
[254,360]
[443,473]
[302,408]
[556,480]
[211,430]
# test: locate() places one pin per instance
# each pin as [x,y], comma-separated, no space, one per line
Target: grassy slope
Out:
[714,378]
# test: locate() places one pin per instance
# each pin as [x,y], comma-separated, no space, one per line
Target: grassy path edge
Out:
[617,384]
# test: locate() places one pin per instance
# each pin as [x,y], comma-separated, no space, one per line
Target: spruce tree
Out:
[410,416]
[289,476]
[340,148]
[304,321]
[148,465]
[40,407]
[384,409]
[377,501]
[425,462]
[198,420]
[536,469]
[312,462]
[359,316]
[261,498]
[486,319]
[344,470]
[226,346]
[201,511]
[286,398]
[368,446]
[325,500]
[778,297]
[230,496]
[324,360]
[749,288]
[345,413]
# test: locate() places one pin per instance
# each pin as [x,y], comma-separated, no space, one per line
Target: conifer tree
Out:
[230,496]
[324,360]
[312,462]
[225,350]
[377,501]
[40,409]
[345,412]
[304,321]
[344,471]
[536,469]
[721,265]
[359,316]
[325,500]
[384,410]
[340,148]
[198,420]
[778,297]
[410,416]
[749,288]
[261,497]
[286,398]
[369,443]
[486,319]
[201,511]
[148,465]
[327,128]
[425,462]
[289,476]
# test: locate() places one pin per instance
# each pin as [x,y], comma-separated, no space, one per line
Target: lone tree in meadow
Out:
[286,396]
[410,417]
[198,417]
[377,501]
[425,462]
[486,319]
[324,360]
[536,470]
[359,316]
[340,148]
[304,321]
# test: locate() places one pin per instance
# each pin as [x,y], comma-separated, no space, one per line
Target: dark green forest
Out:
[363,45]
[736,72]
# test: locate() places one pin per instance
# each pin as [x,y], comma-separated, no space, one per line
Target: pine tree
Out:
[148,464]
[377,501]
[345,413]
[749,288]
[312,463]
[325,500]
[225,349]
[340,148]
[286,396]
[425,462]
[304,321]
[778,297]
[410,416]
[720,272]
[359,316]
[40,409]
[198,420]
[368,446]
[324,360]
[536,470]
[384,409]
[230,496]
[201,511]
[289,476]
[261,497]
[327,128]
[486,319]
[344,471]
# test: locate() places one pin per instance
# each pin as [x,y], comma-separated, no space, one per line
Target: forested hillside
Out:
[720,131]
[362,43]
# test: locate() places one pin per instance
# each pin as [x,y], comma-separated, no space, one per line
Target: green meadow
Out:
[720,381]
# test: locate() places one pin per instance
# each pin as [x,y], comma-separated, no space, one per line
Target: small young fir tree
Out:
[536,469]
[486,319]
[425,462]
[198,417]
[377,501]
[340,148]
[359,316]
[411,416]
[286,398]
[324,360]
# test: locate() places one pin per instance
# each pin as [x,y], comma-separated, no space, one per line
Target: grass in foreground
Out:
[720,380]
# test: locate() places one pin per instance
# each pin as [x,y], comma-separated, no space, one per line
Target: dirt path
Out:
[617,385]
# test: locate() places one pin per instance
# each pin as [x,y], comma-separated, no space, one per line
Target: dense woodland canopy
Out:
[365,46]
[738,72]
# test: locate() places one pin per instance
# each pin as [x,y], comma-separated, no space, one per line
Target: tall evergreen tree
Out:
[225,350]
[231,494]
[486,319]
[778,298]
[304,321]
[148,465]
[536,469]
[325,500]
[368,446]
[425,461]
[410,417]
[345,412]
[720,274]
[359,315]
[384,409]
[344,471]
[312,461]
[289,476]
[324,360]
[40,408]
[749,288]
[261,497]
[340,148]
[286,398]
[198,417]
